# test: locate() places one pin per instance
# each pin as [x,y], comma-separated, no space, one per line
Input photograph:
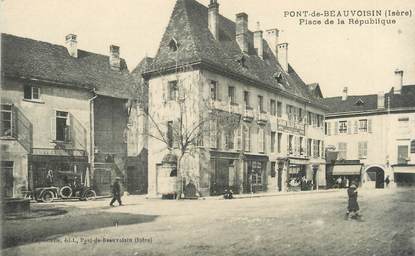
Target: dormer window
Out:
[173,45]
[241,60]
[31,92]
[278,77]
[359,102]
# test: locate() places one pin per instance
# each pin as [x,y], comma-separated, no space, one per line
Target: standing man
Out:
[116,192]
[353,206]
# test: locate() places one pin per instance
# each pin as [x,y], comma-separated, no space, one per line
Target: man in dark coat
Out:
[116,192]
[353,206]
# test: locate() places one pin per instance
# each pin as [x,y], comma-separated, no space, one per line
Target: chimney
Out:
[115,61]
[242,31]
[397,87]
[282,55]
[344,94]
[272,39]
[259,42]
[381,100]
[72,45]
[213,18]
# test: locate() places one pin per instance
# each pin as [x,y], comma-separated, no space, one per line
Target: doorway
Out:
[7,178]
[376,176]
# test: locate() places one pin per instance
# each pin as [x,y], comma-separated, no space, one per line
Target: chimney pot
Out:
[259,41]
[282,55]
[397,87]
[381,100]
[242,31]
[114,58]
[72,45]
[213,18]
[344,94]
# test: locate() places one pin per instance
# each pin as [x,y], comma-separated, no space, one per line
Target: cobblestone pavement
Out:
[306,224]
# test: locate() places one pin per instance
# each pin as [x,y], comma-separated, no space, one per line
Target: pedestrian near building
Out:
[387,181]
[116,192]
[353,206]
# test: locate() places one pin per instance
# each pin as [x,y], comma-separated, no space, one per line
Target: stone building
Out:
[376,132]
[64,113]
[221,68]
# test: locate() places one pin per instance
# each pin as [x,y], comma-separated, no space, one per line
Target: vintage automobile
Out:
[68,186]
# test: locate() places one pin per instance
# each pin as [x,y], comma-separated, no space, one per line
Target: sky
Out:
[362,58]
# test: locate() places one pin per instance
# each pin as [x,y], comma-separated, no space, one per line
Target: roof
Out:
[28,58]
[361,103]
[189,27]
[141,88]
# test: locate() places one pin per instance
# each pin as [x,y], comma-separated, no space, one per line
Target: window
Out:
[403,154]
[273,107]
[273,172]
[256,173]
[231,94]
[170,134]
[229,139]
[62,126]
[279,142]
[273,142]
[260,103]
[173,90]
[403,127]
[301,146]
[31,92]
[214,90]
[6,120]
[309,144]
[279,109]
[362,149]
[342,150]
[173,45]
[310,121]
[316,148]
[343,127]
[413,147]
[363,125]
[290,144]
[246,99]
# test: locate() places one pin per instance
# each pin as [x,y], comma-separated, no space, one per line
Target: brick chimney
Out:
[242,31]
[213,18]
[344,93]
[272,39]
[115,61]
[381,100]
[397,87]
[259,41]
[282,55]
[71,45]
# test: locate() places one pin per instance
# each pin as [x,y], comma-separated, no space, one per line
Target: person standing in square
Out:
[116,192]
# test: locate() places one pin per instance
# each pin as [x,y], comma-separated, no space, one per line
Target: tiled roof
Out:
[189,27]
[23,57]
[369,102]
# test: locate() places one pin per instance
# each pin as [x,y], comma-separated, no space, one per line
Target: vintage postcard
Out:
[207,127]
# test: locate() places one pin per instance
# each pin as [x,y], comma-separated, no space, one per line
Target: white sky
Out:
[362,58]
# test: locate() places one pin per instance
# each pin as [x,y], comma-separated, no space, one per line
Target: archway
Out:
[376,176]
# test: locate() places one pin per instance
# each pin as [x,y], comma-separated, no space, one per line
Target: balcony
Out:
[248,114]
[226,106]
[290,127]
[262,118]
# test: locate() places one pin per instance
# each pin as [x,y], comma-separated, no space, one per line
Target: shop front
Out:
[341,175]
[226,174]
[404,175]
[255,178]
[57,168]
[297,178]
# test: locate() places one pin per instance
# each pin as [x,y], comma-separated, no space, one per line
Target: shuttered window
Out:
[362,149]
[342,150]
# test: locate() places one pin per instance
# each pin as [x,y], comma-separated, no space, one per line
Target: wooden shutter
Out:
[360,150]
[369,125]
[349,127]
[336,128]
[165,91]
[356,126]
[68,130]
[213,134]
[323,150]
[53,128]
[239,139]
[14,122]
[328,128]
[260,140]
[78,133]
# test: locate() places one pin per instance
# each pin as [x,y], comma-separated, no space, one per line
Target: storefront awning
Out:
[347,169]
[404,169]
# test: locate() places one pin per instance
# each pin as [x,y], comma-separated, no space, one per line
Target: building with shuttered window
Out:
[226,69]
[64,113]
[373,135]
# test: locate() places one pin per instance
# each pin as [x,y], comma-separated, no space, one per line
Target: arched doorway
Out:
[376,176]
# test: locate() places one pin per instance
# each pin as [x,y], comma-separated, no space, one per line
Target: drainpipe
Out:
[92,133]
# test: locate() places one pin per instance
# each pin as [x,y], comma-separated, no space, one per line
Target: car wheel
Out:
[90,195]
[47,197]
[65,192]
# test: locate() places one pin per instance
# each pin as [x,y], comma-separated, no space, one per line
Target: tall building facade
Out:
[377,131]
[259,126]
